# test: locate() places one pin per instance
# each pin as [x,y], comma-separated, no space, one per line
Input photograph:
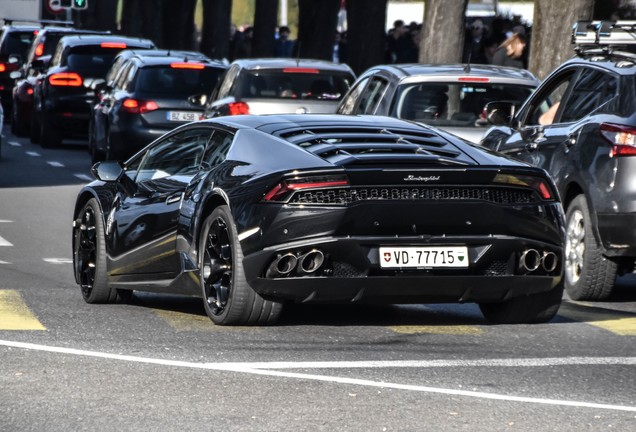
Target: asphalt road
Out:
[158,363]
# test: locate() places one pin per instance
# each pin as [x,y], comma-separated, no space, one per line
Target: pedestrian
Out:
[244,46]
[474,43]
[283,46]
[511,52]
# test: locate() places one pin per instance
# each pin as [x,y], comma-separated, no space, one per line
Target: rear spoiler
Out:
[42,23]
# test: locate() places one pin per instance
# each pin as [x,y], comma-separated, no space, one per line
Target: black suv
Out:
[150,96]
[15,41]
[62,102]
[35,64]
[580,126]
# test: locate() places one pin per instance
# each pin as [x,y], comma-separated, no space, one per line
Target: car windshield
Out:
[453,104]
[294,83]
[178,82]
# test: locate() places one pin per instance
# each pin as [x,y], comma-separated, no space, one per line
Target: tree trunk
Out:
[317,23]
[215,37]
[442,35]
[552,32]
[143,18]
[178,24]
[366,33]
[265,21]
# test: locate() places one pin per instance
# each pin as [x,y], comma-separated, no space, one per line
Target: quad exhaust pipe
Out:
[311,261]
[532,259]
[282,266]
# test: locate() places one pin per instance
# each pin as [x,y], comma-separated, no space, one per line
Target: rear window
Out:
[453,104]
[179,82]
[293,83]
[17,42]
[92,61]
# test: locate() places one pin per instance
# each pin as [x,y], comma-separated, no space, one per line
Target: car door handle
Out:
[174,198]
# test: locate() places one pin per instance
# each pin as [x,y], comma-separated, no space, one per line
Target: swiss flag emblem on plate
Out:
[387,256]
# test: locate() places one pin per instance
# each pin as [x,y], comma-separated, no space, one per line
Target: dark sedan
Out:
[249,212]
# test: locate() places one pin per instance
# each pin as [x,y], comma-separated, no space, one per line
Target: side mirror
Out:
[41,63]
[16,74]
[13,59]
[198,100]
[99,85]
[500,113]
[107,171]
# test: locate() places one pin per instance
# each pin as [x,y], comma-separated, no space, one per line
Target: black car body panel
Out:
[331,190]
[15,40]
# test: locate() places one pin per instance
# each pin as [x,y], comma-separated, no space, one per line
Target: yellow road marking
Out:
[181,321]
[622,324]
[15,314]
[441,329]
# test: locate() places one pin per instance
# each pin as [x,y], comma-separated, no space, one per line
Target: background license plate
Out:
[413,257]
[183,116]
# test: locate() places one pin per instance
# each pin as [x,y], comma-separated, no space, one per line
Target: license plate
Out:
[183,116]
[429,257]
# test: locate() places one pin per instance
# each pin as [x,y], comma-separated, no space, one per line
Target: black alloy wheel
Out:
[89,258]
[227,297]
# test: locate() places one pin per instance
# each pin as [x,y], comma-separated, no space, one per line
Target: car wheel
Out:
[49,134]
[89,258]
[96,155]
[531,309]
[17,124]
[588,274]
[227,298]
[34,133]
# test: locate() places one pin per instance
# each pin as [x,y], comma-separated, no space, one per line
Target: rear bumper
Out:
[351,272]
[618,234]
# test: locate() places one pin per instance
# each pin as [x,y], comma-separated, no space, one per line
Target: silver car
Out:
[451,97]
[280,86]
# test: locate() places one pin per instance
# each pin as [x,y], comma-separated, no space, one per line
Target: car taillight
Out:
[238,108]
[473,79]
[119,45]
[8,67]
[283,190]
[622,138]
[537,183]
[135,106]
[39,50]
[65,79]
[301,70]
[197,66]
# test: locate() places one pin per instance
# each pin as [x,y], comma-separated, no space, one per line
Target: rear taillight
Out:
[197,66]
[301,70]
[622,138]
[283,190]
[135,106]
[65,79]
[119,45]
[39,50]
[473,79]
[537,183]
[8,67]
[238,108]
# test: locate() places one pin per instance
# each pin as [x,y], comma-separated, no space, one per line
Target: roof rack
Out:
[604,33]
[42,23]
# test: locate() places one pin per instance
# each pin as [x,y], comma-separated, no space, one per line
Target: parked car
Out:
[249,212]
[451,97]
[63,100]
[35,64]
[280,86]
[147,96]
[15,40]
[580,126]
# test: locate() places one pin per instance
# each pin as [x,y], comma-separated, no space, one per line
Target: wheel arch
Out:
[571,192]
[216,199]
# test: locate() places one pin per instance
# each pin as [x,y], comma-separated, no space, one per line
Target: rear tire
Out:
[588,274]
[34,133]
[531,309]
[50,136]
[227,297]
[18,128]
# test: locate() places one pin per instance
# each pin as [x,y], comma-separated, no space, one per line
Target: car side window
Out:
[349,103]
[121,78]
[178,154]
[228,81]
[544,108]
[371,97]
[217,149]
[592,89]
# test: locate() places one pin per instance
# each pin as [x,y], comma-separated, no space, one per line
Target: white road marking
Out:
[4,242]
[34,154]
[58,260]
[55,164]
[83,177]
[4,262]
[247,368]
[5,221]
[14,144]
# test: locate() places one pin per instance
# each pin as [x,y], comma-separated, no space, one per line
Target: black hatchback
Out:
[152,95]
[580,126]
[62,102]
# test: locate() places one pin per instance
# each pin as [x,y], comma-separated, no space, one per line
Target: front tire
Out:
[227,297]
[89,258]
[531,309]
[588,274]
